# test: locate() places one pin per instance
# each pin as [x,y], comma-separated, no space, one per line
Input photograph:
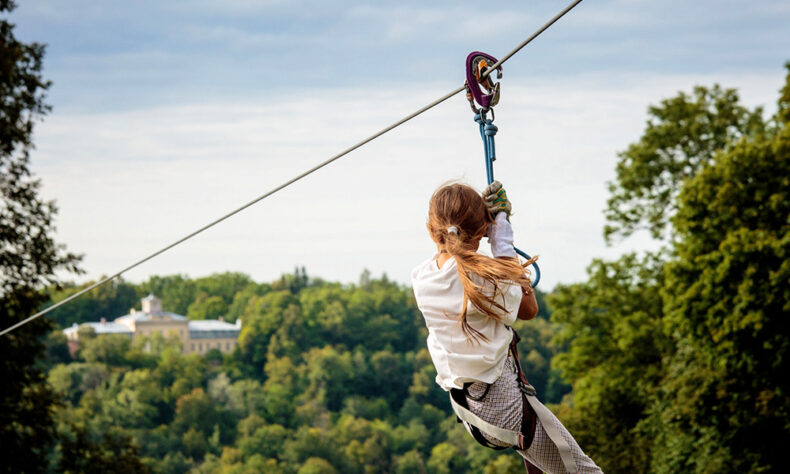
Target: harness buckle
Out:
[527,389]
[522,443]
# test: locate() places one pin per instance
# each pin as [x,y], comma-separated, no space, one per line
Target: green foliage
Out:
[537,350]
[445,458]
[56,349]
[783,104]
[112,453]
[110,349]
[681,135]
[505,465]
[177,292]
[726,393]
[29,257]
[207,307]
[316,466]
[410,462]
[678,359]
[71,381]
[611,328]
[107,301]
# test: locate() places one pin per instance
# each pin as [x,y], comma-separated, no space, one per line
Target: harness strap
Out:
[513,438]
[459,397]
[544,415]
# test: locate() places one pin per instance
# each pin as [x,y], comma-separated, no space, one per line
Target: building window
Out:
[193,347]
[200,346]
[227,346]
[181,332]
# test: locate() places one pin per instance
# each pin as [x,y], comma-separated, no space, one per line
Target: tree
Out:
[316,466]
[109,349]
[108,301]
[611,328]
[444,459]
[114,453]
[682,134]
[207,307]
[726,394]
[177,292]
[29,257]
[678,359]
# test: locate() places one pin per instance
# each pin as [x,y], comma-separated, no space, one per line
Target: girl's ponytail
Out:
[457,220]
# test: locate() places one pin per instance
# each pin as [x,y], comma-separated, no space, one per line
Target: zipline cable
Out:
[292,180]
[529,40]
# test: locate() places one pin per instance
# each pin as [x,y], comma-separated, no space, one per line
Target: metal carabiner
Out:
[477,64]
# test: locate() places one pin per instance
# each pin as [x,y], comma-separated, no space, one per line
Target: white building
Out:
[196,336]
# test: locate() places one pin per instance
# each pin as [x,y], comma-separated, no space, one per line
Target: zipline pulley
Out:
[483,94]
[481,88]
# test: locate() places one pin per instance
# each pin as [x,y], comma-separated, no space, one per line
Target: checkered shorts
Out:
[502,406]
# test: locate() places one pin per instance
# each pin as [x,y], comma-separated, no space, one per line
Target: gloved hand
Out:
[500,236]
[496,199]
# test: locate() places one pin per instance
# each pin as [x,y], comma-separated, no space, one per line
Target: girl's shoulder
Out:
[430,269]
[428,276]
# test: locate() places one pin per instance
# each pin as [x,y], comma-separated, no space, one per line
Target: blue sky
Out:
[167,114]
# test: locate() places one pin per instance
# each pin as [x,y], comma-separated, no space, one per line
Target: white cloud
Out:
[127,183]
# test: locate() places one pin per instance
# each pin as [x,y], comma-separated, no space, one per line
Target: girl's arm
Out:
[528,308]
[500,236]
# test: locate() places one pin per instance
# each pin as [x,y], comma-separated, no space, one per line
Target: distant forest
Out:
[326,378]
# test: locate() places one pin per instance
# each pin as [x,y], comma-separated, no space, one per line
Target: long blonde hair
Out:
[457,220]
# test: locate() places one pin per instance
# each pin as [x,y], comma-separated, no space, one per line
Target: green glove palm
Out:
[496,199]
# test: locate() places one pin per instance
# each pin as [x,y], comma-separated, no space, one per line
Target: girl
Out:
[469,302]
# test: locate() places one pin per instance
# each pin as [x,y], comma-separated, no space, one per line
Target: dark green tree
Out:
[113,453]
[29,257]
[725,400]
[681,353]
[109,301]
[177,292]
[207,307]
[681,135]
[611,328]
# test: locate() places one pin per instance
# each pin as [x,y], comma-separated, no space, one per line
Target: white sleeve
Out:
[511,294]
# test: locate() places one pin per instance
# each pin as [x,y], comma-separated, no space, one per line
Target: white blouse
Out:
[457,360]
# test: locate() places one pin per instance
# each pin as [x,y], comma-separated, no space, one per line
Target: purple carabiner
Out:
[490,97]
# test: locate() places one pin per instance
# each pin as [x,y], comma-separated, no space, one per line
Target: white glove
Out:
[500,236]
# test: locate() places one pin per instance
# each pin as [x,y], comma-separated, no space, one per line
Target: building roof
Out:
[99,328]
[139,316]
[213,325]
[213,329]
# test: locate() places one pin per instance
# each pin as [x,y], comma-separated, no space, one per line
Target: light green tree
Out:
[682,134]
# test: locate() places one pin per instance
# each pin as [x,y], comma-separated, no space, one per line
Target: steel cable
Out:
[292,180]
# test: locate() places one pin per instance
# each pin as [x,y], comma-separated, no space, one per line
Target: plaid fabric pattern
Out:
[502,406]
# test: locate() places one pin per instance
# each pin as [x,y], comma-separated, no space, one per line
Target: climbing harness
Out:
[482,91]
[532,410]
